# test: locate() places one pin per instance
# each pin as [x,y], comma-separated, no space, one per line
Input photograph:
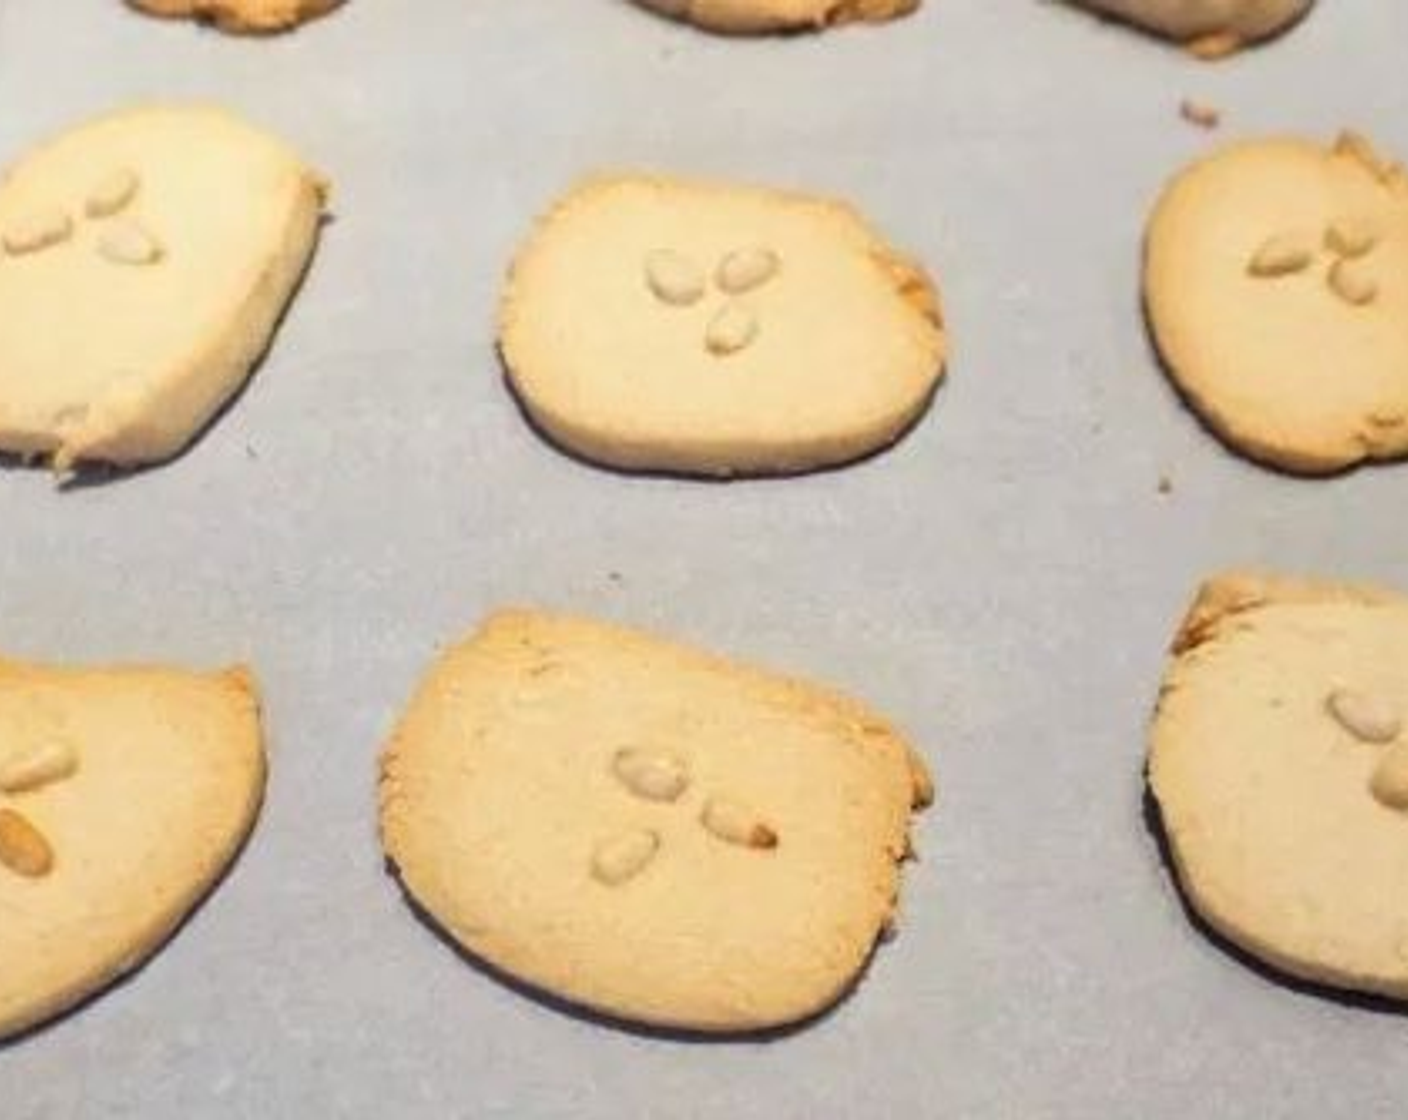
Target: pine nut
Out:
[1389,784]
[1282,254]
[1349,280]
[129,243]
[733,329]
[23,848]
[1370,718]
[736,824]
[1350,237]
[37,232]
[655,775]
[30,768]
[674,278]
[111,195]
[621,858]
[745,269]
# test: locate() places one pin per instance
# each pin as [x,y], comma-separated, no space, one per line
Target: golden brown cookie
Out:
[1279,761]
[1276,283]
[145,260]
[668,324]
[124,795]
[646,830]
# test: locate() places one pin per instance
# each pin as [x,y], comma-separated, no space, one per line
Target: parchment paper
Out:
[1003,583]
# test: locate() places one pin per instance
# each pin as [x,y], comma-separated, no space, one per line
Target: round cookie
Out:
[1279,761]
[671,325]
[258,17]
[1276,285]
[145,261]
[646,830]
[751,17]
[124,795]
[1209,28]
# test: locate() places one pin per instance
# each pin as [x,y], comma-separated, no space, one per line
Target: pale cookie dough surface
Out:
[561,797]
[1276,751]
[140,784]
[741,17]
[145,261]
[1276,284]
[666,324]
[241,16]
[1208,26]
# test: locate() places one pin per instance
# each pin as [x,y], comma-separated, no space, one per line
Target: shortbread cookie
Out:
[1276,282]
[1210,28]
[745,17]
[145,260]
[646,830]
[1280,765]
[670,325]
[124,795]
[241,16]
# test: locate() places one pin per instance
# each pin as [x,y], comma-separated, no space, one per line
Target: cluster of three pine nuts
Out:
[663,776]
[678,281]
[1348,241]
[120,241]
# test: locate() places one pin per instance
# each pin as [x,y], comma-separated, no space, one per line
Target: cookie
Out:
[646,830]
[145,261]
[698,328]
[124,795]
[751,17]
[257,17]
[1209,28]
[1276,284]
[1279,762]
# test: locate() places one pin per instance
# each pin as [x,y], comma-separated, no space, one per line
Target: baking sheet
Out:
[1003,583]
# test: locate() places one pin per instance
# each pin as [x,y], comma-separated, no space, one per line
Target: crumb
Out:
[1165,484]
[1199,113]
[615,577]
